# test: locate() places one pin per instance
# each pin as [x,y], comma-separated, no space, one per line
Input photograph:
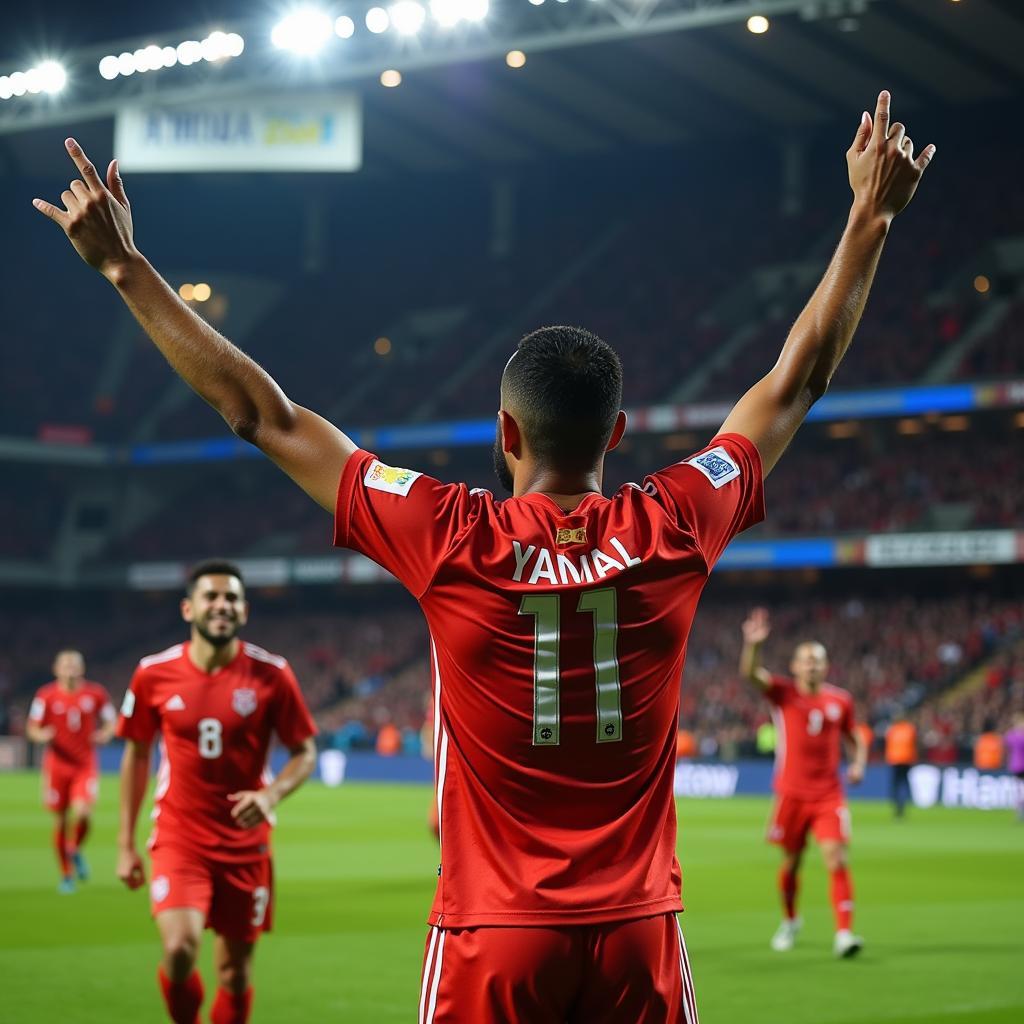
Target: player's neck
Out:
[210,658]
[69,685]
[566,490]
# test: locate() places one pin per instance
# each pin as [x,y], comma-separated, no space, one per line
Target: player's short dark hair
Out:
[211,567]
[564,384]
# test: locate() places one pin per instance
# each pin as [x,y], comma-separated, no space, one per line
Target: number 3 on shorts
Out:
[260,899]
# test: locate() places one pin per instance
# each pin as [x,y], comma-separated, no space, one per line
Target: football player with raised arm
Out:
[558,616]
[814,720]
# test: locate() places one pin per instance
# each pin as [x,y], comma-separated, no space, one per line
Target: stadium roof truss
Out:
[627,71]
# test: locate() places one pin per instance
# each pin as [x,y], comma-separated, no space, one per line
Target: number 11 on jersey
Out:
[546,612]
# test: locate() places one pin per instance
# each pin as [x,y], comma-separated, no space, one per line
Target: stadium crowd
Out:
[669,287]
[363,668]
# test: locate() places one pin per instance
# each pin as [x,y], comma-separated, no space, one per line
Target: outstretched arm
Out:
[97,219]
[884,176]
[755,631]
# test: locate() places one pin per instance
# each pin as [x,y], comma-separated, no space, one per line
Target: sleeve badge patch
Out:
[390,478]
[717,465]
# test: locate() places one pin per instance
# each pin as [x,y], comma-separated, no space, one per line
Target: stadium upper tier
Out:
[410,305]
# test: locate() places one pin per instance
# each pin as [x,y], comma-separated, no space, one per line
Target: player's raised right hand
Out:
[130,868]
[883,171]
[756,626]
[96,217]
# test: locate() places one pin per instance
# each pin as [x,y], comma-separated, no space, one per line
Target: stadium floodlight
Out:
[215,47]
[448,13]
[377,20]
[758,24]
[407,17]
[48,76]
[52,76]
[189,52]
[304,31]
[475,10]
[391,78]
[536,3]
[344,27]
[445,12]
[515,58]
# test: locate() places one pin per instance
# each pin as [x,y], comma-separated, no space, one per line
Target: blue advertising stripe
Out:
[895,402]
[780,554]
[462,433]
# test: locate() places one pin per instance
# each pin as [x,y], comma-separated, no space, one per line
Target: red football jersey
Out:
[810,730]
[76,715]
[216,731]
[558,641]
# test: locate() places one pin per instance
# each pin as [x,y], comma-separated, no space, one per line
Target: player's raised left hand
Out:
[252,807]
[96,216]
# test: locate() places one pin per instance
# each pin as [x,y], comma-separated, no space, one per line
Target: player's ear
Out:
[511,437]
[617,431]
[186,609]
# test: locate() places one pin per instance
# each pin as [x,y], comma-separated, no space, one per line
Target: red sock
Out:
[842,898]
[788,886]
[183,998]
[81,831]
[229,1008]
[61,846]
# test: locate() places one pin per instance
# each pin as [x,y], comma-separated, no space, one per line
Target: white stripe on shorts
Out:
[689,998]
[432,1005]
[427,964]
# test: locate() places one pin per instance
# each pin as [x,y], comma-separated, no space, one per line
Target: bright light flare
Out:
[407,17]
[448,13]
[391,78]
[377,20]
[344,27]
[216,46]
[758,24]
[46,77]
[304,31]
[515,58]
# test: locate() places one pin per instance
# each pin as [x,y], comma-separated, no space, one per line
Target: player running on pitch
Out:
[214,701]
[814,720]
[558,618]
[73,717]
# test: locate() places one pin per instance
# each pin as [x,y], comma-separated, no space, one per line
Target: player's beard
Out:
[501,470]
[215,639]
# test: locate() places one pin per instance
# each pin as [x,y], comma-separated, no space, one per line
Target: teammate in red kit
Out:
[214,702]
[814,720]
[558,617]
[73,717]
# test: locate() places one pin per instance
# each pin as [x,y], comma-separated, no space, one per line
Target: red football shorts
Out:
[625,972]
[792,818]
[63,787]
[237,899]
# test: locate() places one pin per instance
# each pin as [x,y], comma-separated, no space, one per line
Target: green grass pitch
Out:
[940,903]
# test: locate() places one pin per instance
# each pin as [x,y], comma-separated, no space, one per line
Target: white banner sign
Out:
[963,787]
[274,133]
[976,547]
